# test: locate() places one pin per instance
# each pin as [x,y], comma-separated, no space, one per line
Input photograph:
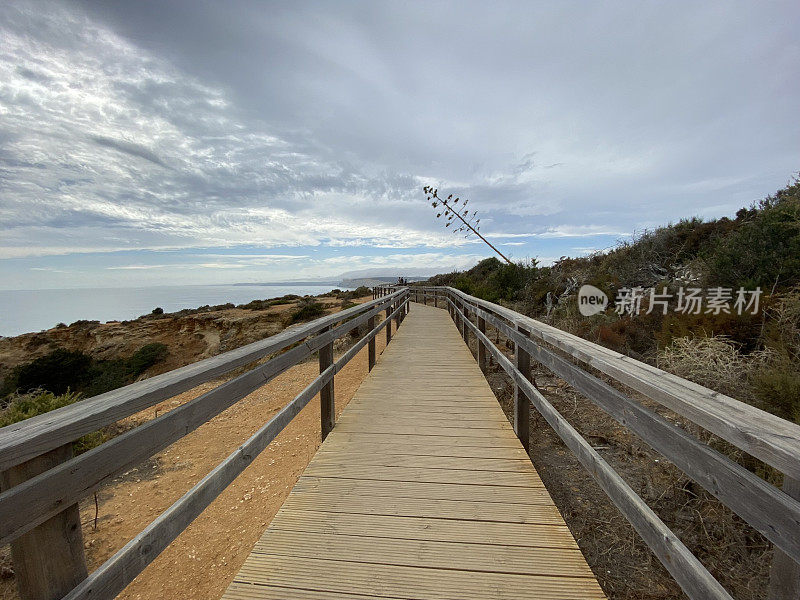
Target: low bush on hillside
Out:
[63,370]
[493,280]
[265,304]
[18,407]
[764,249]
[56,372]
[307,311]
[359,292]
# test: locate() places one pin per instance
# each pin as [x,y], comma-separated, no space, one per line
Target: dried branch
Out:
[469,222]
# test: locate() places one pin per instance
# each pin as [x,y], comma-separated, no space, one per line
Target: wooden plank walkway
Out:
[421,491]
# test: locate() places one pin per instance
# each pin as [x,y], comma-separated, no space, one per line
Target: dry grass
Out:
[715,362]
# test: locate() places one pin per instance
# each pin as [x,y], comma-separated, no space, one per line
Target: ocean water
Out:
[22,311]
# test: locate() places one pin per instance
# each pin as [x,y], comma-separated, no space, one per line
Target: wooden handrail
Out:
[766,508]
[759,433]
[31,503]
[35,502]
[22,441]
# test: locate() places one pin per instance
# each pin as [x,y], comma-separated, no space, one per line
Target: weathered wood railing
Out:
[43,482]
[379,291]
[774,513]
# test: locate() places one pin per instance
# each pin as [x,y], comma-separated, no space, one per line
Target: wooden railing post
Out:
[399,316]
[481,346]
[784,577]
[522,407]
[326,399]
[371,344]
[388,325]
[465,330]
[49,559]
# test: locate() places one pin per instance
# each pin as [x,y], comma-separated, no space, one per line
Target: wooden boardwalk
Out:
[422,490]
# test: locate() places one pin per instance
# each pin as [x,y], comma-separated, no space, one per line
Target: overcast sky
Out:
[188,142]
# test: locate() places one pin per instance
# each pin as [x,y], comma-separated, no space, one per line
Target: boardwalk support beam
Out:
[522,404]
[784,579]
[49,559]
[326,398]
[371,351]
[465,330]
[481,345]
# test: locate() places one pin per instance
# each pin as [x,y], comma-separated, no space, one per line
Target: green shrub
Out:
[157,311]
[777,390]
[264,304]
[287,299]
[509,280]
[63,370]
[359,292]
[56,372]
[18,407]
[256,305]
[493,280]
[307,311]
[146,356]
[764,249]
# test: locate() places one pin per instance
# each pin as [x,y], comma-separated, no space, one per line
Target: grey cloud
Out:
[33,75]
[129,148]
[319,122]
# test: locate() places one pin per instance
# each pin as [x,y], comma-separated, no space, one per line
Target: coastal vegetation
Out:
[753,356]
[62,371]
